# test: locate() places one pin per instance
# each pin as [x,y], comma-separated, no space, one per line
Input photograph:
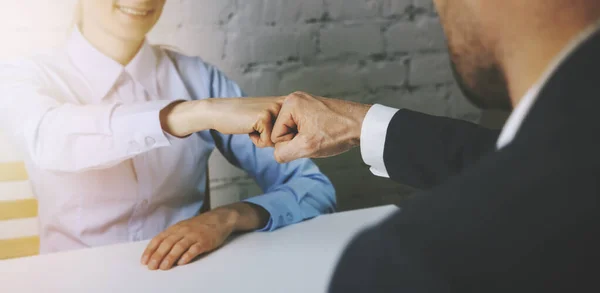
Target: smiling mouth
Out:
[134,11]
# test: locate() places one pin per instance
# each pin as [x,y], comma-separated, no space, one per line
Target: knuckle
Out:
[157,256]
[292,99]
[154,243]
[275,108]
[170,258]
[179,246]
[194,249]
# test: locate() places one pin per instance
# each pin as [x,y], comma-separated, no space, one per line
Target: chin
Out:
[487,90]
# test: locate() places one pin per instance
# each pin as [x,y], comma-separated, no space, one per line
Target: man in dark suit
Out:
[506,211]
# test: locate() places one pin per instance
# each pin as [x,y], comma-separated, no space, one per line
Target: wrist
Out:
[243,216]
[182,118]
[231,217]
[357,115]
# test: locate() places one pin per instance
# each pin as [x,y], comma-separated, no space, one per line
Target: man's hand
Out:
[253,116]
[184,241]
[314,127]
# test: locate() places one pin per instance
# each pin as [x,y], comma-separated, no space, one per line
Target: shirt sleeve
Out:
[372,137]
[293,192]
[69,137]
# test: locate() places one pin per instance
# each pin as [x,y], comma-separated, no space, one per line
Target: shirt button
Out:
[289,217]
[150,141]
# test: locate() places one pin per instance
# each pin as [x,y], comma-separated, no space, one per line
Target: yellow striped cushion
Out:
[18,209]
[17,242]
[19,247]
[12,171]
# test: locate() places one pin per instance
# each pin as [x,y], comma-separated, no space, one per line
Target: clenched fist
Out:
[313,127]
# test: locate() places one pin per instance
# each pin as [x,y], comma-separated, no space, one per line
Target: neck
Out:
[527,64]
[120,50]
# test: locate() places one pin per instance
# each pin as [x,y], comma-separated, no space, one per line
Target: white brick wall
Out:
[387,51]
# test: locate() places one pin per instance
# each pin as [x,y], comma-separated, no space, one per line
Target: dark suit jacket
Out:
[524,218]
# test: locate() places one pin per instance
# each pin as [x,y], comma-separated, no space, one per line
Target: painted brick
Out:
[395,7]
[270,45]
[207,12]
[382,74]
[353,9]
[355,39]
[428,100]
[323,80]
[430,69]
[423,34]
[277,12]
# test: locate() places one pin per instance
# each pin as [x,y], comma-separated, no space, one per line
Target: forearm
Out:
[297,200]
[64,134]
[60,137]
[244,216]
[182,118]
[352,115]
[423,150]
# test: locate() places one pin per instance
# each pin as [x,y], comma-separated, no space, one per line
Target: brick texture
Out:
[373,51]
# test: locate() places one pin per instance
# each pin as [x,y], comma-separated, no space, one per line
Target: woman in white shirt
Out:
[118,134]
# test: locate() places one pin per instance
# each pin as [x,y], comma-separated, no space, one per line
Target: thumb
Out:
[285,127]
[287,151]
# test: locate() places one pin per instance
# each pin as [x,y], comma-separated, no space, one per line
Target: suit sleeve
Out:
[423,150]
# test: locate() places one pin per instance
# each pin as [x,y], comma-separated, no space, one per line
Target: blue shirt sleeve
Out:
[293,192]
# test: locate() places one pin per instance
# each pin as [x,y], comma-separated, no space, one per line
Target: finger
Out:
[255,137]
[265,130]
[194,251]
[178,249]
[288,136]
[284,125]
[165,246]
[288,151]
[152,246]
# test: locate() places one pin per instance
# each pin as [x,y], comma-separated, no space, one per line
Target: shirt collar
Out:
[516,118]
[143,67]
[102,72]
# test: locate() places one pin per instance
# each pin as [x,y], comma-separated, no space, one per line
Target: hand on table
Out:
[186,240]
[312,127]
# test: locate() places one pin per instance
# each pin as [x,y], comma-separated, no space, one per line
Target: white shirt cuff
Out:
[372,137]
[137,128]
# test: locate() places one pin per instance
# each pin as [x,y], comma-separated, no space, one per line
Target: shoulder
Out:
[194,68]
[182,60]
[41,64]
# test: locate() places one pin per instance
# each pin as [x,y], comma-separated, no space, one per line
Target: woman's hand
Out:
[253,116]
[186,240]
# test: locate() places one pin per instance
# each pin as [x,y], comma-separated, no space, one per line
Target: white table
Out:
[299,258]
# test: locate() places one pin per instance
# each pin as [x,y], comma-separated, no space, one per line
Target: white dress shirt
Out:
[378,118]
[100,165]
